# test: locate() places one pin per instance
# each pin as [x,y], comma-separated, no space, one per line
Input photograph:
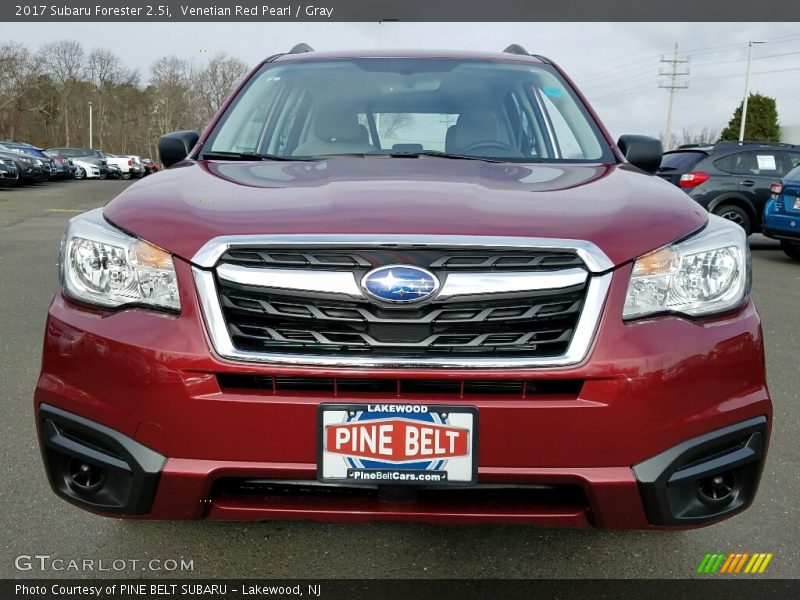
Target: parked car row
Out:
[754,184]
[22,163]
[730,179]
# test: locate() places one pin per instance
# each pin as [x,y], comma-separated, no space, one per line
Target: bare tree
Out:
[690,135]
[64,61]
[106,74]
[170,89]
[18,73]
[216,81]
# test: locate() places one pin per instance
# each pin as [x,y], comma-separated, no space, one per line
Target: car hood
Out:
[620,209]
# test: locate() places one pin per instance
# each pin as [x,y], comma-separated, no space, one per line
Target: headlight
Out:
[102,265]
[705,274]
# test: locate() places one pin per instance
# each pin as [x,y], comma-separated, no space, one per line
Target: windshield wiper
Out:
[219,155]
[440,154]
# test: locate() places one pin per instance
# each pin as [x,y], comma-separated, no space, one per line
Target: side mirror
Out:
[174,147]
[642,151]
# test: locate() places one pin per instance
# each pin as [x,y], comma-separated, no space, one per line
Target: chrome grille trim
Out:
[468,284]
[594,258]
[336,282]
[596,292]
[456,284]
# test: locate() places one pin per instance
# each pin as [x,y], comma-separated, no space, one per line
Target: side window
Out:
[758,163]
[565,137]
[793,159]
[284,138]
[768,164]
[526,138]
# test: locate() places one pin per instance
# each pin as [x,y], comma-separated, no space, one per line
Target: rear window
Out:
[681,161]
[793,175]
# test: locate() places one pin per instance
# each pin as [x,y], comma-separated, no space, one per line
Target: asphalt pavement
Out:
[33,522]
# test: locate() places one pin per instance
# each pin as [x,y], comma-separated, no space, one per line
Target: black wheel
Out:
[80,173]
[791,250]
[736,214]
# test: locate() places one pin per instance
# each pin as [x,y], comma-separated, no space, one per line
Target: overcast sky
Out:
[615,64]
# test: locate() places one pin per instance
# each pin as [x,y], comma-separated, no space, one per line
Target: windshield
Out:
[373,106]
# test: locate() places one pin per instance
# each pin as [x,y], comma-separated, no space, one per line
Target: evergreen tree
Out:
[762,121]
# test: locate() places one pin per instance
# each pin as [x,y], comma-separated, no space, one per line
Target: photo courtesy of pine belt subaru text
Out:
[420,286]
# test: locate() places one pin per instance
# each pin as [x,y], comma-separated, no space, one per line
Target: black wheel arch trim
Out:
[736,200]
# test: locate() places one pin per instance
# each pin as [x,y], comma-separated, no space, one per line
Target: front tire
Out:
[736,214]
[791,250]
[80,173]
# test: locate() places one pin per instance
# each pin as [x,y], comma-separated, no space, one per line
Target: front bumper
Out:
[8,176]
[561,459]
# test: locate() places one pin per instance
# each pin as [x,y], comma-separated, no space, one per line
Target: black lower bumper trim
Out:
[675,483]
[127,472]
[782,234]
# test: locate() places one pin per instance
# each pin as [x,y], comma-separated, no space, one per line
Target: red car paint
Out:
[204,200]
[648,385]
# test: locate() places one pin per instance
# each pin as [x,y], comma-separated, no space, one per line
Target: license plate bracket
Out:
[395,443]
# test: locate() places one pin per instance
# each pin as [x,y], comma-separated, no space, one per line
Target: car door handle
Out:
[748,182]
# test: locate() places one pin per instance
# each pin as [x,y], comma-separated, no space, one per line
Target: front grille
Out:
[432,258]
[497,494]
[520,324]
[538,324]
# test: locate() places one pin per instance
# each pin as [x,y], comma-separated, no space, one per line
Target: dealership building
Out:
[790,134]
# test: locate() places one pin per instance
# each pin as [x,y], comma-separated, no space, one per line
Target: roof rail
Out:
[516,49]
[755,143]
[301,48]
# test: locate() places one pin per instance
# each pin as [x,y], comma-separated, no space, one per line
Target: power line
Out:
[619,80]
[706,77]
[597,78]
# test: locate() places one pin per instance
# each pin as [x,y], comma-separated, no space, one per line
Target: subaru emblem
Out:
[400,284]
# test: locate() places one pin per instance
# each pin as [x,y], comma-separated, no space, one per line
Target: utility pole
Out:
[380,29]
[90,125]
[672,84]
[746,89]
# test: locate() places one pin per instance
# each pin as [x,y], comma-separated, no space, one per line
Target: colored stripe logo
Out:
[735,563]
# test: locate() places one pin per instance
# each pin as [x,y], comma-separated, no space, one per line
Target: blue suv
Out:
[782,213]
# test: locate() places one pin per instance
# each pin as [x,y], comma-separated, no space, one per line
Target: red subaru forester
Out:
[422,286]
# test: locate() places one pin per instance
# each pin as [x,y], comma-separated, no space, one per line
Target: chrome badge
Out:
[400,284]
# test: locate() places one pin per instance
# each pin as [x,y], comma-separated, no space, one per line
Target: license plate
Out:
[797,203]
[397,444]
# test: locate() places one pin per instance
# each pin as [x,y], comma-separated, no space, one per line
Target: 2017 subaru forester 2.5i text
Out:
[423,286]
